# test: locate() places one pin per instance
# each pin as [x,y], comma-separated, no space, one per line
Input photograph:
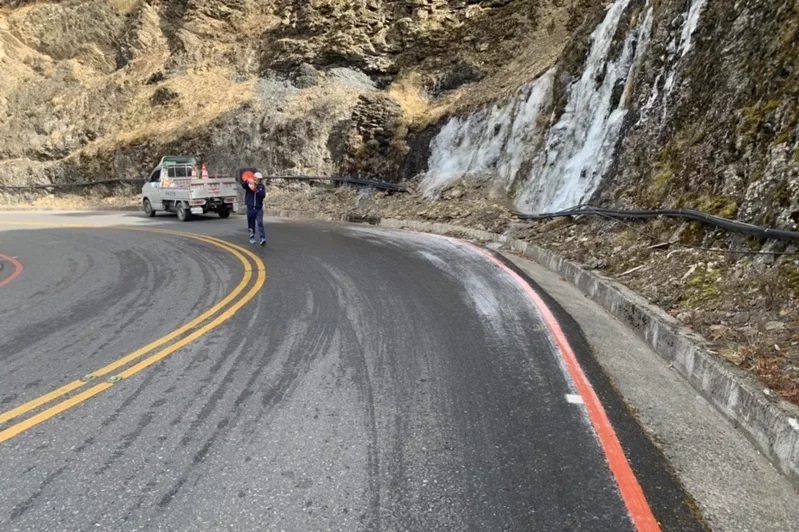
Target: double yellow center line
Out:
[254,277]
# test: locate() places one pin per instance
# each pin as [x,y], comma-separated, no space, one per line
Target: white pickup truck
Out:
[179,185]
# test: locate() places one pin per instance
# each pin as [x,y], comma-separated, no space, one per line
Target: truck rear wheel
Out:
[224,213]
[148,208]
[183,212]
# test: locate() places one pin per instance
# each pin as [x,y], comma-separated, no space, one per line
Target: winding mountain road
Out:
[165,376]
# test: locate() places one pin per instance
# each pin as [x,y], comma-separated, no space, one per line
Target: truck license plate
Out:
[196,210]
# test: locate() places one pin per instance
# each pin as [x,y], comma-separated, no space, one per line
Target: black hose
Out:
[690,214]
[381,185]
[69,185]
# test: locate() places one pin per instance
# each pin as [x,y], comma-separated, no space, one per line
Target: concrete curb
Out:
[771,423]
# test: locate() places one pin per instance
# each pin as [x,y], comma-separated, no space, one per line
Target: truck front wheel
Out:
[183,212]
[148,208]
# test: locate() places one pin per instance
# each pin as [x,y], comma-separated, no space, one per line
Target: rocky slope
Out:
[482,106]
[98,88]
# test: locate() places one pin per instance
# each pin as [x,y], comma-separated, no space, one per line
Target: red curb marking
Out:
[17,269]
[631,492]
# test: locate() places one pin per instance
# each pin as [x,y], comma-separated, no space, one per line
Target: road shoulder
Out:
[734,485]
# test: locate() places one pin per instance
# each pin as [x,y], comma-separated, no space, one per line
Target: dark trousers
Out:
[255,217]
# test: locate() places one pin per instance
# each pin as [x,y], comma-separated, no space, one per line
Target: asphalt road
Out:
[375,381]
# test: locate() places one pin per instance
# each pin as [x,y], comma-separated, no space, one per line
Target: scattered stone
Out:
[454,193]
[163,96]
[718,331]
[305,77]
[597,264]
[156,78]
[733,355]
[739,318]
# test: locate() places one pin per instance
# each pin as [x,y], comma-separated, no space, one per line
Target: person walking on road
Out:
[254,195]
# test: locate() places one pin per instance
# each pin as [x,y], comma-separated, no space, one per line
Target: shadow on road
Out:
[84,214]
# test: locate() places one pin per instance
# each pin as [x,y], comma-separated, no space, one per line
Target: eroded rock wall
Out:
[101,88]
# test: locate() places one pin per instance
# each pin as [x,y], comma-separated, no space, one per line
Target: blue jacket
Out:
[254,198]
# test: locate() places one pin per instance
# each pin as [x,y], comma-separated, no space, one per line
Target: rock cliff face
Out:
[100,88]
[666,104]
[659,104]
[717,114]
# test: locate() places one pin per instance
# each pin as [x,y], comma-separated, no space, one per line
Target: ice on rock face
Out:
[525,127]
[690,25]
[580,147]
[491,140]
[677,49]
[568,159]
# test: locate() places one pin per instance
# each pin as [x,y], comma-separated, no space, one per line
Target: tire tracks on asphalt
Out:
[137,361]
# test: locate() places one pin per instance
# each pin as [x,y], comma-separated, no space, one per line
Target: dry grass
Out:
[544,46]
[125,6]
[12,7]
[408,92]
[203,97]
[417,107]
[542,50]
[14,59]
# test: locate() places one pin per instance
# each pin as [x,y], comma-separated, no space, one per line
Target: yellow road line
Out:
[22,426]
[55,394]
[17,429]
[199,319]
[35,403]
[52,411]
[219,320]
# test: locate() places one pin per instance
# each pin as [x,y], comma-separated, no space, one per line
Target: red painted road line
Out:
[631,492]
[17,269]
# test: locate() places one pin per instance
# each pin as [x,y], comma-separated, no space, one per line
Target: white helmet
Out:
[258,176]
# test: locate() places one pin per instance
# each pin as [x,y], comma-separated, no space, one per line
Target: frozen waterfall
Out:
[491,140]
[580,147]
[568,159]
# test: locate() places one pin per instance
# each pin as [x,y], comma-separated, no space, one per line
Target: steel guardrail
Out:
[689,214]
